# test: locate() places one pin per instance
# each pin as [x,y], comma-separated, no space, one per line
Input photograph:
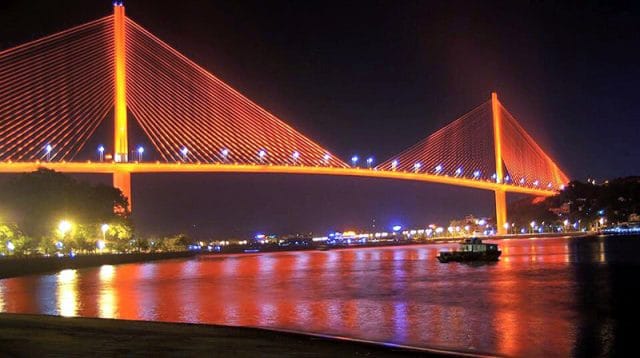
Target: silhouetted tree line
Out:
[616,200]
[33,205]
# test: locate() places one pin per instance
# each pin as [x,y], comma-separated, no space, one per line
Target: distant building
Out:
[470,224]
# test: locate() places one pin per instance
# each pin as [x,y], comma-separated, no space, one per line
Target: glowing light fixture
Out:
[48,150]
[140,152]
[64,227]
[394,165]
[101,152]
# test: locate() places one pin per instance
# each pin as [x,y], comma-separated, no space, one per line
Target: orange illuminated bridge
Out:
[56,91]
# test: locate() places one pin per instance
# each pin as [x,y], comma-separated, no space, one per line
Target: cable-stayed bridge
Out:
[56,91]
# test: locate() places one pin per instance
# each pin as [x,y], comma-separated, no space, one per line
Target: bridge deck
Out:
[110,167]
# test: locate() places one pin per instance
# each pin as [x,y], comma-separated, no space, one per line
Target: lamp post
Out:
[369,162]
[140,152]
[184,151]
[101,244]
[48,150]
[101,152]
[64,227]
[354,160]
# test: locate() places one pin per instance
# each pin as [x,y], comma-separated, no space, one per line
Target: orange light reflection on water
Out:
[521,305]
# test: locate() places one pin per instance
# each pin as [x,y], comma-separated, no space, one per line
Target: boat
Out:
[471,250]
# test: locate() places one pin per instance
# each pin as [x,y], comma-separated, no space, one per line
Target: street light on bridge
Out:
[326,158]
[261,155]
[225,154]
[140,152]
[48,150]
[354,160]
[184,152]
[394,165]
[416,167]
[438,168]
[476,174]
[101,152]
[295,156]
[369,162]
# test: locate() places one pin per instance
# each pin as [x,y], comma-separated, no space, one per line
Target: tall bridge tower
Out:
[121,179]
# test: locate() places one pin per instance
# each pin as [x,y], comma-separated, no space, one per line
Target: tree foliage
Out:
[37,201]
[616,200]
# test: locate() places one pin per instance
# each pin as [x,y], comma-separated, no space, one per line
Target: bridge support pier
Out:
[122,181]
[501,212]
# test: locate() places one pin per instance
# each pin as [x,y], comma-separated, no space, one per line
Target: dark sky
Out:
[372,78]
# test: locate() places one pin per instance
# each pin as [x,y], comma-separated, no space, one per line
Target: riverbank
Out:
[30,265]
[37,335]
[265,248]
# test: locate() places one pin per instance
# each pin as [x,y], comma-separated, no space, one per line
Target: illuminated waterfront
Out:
[532,302]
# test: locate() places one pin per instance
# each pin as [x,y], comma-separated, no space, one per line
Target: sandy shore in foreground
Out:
[37,335]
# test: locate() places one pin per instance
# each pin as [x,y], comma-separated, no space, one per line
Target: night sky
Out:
[372,78]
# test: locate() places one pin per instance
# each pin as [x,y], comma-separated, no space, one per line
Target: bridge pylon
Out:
[121,179]
[501,195]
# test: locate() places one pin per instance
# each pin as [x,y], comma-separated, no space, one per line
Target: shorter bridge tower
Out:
[501,195]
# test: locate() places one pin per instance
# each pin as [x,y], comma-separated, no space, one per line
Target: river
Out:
[545,297]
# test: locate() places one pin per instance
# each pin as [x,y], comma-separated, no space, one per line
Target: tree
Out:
[37,202]
[14,242]
[615,199]
[119,235]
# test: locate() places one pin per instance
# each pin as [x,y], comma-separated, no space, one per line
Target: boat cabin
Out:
[476,245]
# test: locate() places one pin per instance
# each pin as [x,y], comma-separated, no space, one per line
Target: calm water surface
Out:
[546,297]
